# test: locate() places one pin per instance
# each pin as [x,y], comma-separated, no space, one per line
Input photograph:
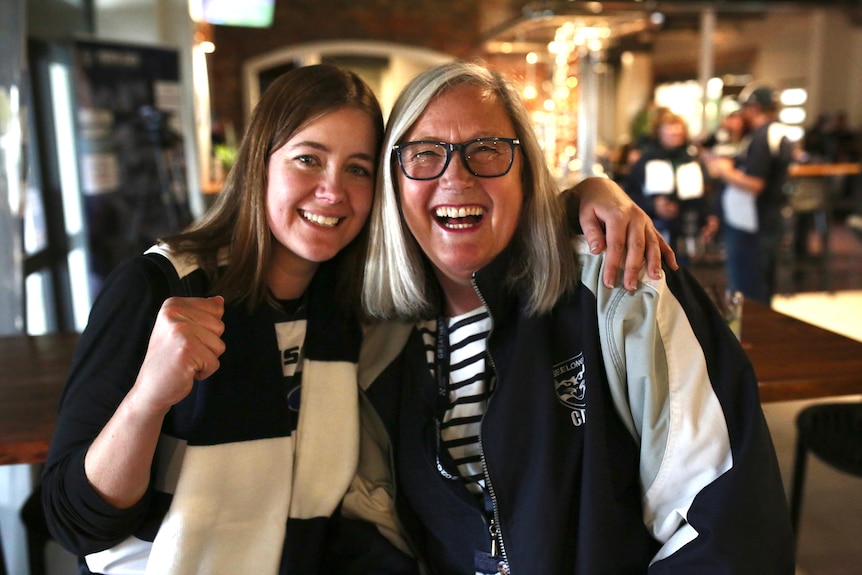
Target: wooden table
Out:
[797,360]
[33,371]
[793,360]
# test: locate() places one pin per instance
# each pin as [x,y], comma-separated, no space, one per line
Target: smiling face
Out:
[461,221]
[320,184]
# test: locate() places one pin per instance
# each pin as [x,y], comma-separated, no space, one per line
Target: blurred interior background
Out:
[120,118]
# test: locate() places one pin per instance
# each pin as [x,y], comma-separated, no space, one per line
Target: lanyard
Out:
[443,403]
[442,356]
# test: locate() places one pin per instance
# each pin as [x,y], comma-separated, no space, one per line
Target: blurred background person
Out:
[727,139]
[668,181]
[725,142]
[754,196]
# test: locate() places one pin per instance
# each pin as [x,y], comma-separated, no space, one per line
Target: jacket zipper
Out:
[498,548]
[494,528]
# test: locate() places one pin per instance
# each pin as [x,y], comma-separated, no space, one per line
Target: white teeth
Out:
[327,221]
[449,216]
[453,212]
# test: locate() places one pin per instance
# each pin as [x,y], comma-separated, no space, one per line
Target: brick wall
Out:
[448,26]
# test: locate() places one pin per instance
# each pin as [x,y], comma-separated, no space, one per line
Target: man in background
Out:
[753,197]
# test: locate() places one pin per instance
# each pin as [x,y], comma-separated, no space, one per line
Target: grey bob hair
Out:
[399,282]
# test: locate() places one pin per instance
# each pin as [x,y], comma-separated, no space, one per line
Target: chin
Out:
[459,271]
[323,257]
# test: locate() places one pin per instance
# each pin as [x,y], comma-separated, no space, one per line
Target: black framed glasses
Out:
[483,157]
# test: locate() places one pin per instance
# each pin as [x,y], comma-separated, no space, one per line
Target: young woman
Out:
[180,446]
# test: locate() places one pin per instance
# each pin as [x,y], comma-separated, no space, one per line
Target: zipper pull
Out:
[502,565]
[495,546]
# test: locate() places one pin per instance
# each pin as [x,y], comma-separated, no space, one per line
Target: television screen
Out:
[251,13]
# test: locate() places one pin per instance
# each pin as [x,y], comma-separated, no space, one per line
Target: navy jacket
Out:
[625,435]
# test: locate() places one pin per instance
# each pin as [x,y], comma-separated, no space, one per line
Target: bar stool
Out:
[832,432]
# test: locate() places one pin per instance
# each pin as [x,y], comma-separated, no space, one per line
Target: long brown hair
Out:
[235,228]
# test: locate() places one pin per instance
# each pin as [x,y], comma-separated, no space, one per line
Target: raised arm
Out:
[184,346]
[95,481]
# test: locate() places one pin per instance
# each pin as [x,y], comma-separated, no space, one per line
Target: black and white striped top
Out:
[469,385]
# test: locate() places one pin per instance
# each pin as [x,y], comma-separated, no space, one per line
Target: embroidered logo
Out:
[571,387]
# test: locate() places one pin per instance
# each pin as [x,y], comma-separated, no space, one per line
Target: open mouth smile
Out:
[320,220]
[460,218]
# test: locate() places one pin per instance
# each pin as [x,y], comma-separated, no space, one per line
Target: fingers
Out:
[611,239]
[610,220]
[644,244]
[653,255]
[206,312]
[185,345]
[615,252]
[204,316]
[634,261]
[592,230]
[630,242]
[627,242]
[657,249]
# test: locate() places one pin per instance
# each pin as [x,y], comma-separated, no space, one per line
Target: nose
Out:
[456,173]
[330,188]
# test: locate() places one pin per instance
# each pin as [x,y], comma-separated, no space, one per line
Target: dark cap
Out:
[762,96]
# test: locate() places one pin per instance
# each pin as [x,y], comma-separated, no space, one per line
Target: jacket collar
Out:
[495,284]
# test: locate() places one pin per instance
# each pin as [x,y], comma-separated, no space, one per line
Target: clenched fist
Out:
[185,345]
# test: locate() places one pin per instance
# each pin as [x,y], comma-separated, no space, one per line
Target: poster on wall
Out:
[131,157]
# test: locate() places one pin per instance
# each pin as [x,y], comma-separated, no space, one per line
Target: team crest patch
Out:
[571,387]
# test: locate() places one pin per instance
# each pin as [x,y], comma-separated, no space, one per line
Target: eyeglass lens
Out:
[484,158]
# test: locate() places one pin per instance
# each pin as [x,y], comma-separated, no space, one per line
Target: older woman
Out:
[539,421]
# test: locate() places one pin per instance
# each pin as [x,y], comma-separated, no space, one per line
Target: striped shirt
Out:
[469,385]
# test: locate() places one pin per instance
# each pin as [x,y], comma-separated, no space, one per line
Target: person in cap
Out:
[753,196]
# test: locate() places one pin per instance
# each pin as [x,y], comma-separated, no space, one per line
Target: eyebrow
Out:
[322,148]
[483,136]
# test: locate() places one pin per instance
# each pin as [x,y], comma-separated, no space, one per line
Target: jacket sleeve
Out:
[711,487]
[105,365]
